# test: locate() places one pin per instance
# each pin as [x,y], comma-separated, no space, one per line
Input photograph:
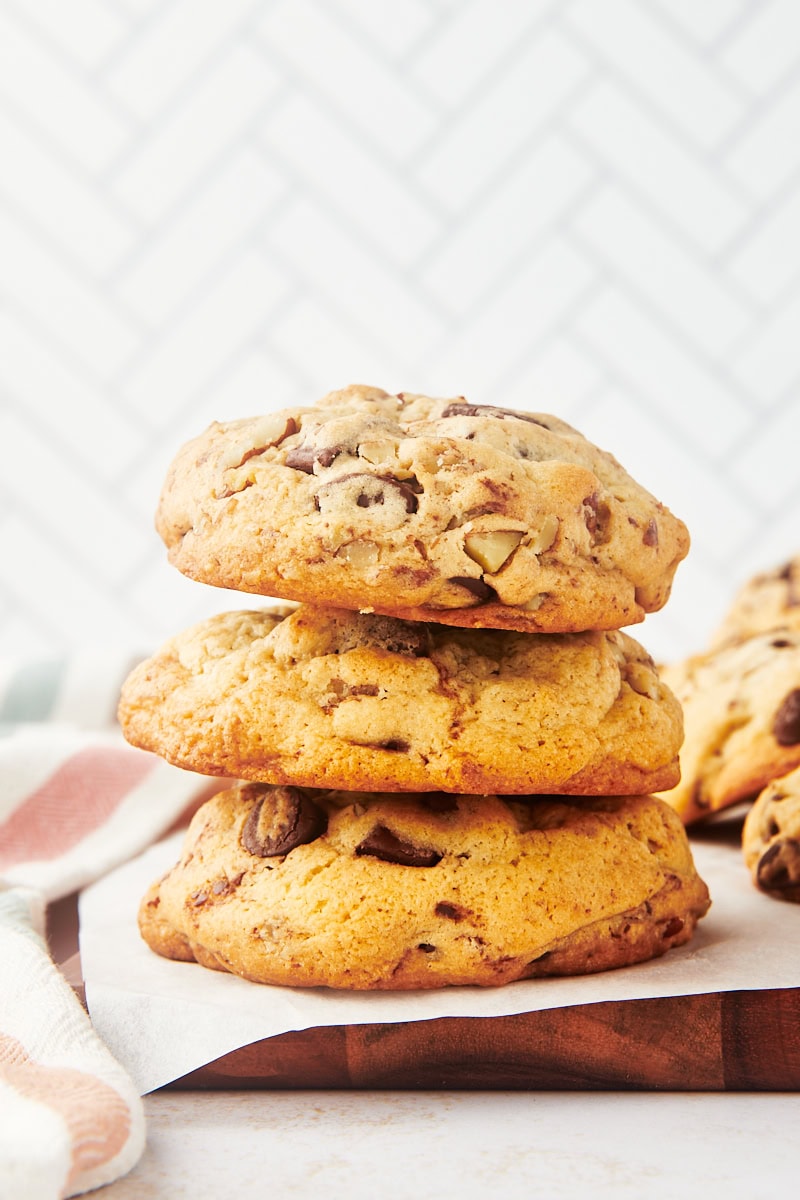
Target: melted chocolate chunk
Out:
[382,843]
[596,515]
[476,586]
[786,723]
[254,451]
[280,820]
[491,410]
[303,458]
[451,912]
[409,489]
[774,871]
[590,513]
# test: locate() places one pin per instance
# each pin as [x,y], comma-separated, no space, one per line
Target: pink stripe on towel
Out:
[76,799]
[96,1116]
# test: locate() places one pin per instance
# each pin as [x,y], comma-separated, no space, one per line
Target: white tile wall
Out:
[207,209]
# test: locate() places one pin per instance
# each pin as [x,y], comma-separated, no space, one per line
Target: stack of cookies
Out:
[741,702]
[446,743]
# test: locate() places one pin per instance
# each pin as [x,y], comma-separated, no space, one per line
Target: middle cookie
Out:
[331,698]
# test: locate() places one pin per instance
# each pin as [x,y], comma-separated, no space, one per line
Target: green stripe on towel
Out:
[31,692]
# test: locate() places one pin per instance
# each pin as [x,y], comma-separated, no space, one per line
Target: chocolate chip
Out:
[780,643]
[225,887]
[282,819]
[369,496]
[777,867]
[364,689]
[476,586]
[426,948]
[303,458]
[650,535]
[199,897]
[672,927]
[381,843]
[491,410]
[408,489]
[596,515]
[395,744]
[786,723]
[451,912]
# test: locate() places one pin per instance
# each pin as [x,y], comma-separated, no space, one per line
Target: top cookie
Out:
[767,601]
[429,509]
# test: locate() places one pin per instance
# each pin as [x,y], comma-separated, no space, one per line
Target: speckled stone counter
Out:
[390,1145]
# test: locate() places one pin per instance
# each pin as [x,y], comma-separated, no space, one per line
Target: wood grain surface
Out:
[722,1041]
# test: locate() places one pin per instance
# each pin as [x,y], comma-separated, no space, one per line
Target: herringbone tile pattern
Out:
[590,207]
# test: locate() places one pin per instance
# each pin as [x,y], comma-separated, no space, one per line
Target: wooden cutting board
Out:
[722,1041]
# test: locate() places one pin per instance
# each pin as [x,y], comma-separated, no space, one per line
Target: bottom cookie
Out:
[771,838]
[307,888]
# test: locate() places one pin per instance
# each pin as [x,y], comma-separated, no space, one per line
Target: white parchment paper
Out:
[162,1019]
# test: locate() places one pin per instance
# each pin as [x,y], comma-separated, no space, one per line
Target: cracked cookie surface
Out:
[336,698]
[429,509]
[311,888]
[771,838]
[741,709]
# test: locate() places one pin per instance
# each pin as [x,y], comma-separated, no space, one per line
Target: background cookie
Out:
[335,698]
[741,708]
[767,601]
[430,509]
[771,838]
[307,888]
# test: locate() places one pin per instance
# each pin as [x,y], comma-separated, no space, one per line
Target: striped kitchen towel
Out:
[75,801]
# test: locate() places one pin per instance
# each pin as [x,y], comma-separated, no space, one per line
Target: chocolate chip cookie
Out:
[291,886]
[741,707]
[767,601]
[433,510]
[771,838]
[325,697]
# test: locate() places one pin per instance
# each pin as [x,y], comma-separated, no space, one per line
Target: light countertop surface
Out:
[478,1144]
